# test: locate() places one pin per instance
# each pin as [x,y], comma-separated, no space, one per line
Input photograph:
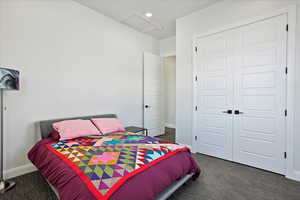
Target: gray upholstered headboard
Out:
[46,126]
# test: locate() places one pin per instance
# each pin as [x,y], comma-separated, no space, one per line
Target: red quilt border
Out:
[93,189]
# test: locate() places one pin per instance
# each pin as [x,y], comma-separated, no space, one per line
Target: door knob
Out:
[227,111]
[147,106]
[237,112]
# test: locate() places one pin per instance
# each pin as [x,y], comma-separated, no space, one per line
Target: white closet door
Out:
[214,90]
[260,82]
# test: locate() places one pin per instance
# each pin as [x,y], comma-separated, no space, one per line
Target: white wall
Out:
[219,15]
[169,76]
[73,61]
[167,46]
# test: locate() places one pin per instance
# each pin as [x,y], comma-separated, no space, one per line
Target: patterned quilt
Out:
[104,163]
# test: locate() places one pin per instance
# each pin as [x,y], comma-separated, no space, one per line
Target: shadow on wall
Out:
[169,65]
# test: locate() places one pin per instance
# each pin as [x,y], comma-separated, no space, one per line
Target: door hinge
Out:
[196,78]
[196,49]
[287,27]
[196,137]
[286,70]
[196,108]
[285,155]
[285,113]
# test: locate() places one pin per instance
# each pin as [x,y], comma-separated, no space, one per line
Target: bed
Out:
[72,175]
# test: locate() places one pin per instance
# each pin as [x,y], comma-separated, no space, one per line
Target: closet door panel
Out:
[214,94]
[260,82]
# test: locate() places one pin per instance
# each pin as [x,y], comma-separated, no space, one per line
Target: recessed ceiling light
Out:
[148,14]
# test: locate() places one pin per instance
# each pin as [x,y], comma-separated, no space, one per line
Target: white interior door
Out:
[153,119]
[215,96]
[243,70]
[260,84]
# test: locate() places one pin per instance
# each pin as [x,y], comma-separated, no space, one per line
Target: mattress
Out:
[117,166]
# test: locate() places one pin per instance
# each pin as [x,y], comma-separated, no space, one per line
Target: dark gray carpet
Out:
[30,187]
[224,180]
[220,180]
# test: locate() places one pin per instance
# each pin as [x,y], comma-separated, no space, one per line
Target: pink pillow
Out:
[75,128]
[108,125]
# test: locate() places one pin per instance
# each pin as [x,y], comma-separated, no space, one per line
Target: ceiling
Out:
[131,12]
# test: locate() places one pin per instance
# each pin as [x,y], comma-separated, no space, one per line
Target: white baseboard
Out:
[295,175]
[18,171]
[170,125]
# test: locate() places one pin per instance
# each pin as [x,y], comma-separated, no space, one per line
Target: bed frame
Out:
[46,129]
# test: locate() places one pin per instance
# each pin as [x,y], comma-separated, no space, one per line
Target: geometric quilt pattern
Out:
[105,160]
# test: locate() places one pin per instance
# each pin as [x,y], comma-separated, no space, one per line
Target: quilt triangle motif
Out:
[105,160]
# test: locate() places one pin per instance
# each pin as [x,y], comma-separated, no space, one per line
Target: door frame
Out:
[163,56]
[291,12]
